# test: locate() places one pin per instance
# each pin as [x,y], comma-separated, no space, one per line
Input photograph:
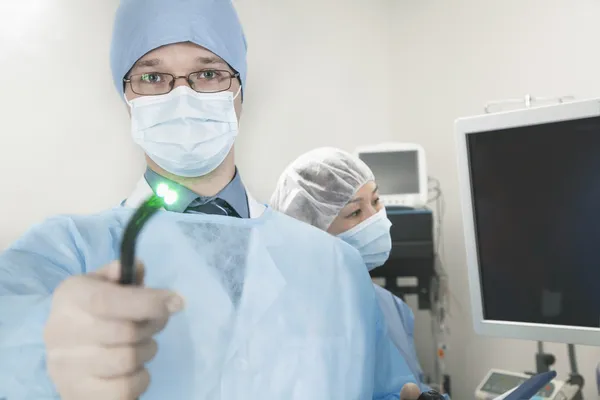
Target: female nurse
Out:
[336,192]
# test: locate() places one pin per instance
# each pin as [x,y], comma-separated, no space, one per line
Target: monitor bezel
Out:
[416,200]
[464,127]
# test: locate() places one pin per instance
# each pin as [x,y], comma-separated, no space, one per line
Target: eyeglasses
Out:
[157,83]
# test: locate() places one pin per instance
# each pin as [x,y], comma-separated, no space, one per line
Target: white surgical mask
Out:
[372,239]
[186,133]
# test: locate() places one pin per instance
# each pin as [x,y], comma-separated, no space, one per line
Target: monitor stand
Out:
[543,362]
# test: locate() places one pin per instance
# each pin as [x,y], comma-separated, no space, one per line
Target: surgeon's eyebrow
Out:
[206,61]
[146,63]
[212,61]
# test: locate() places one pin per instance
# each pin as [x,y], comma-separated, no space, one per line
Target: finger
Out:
[120,333]
[113,301]
[410,391]
[117,362]
[140,272]
[128,387]
[112,272]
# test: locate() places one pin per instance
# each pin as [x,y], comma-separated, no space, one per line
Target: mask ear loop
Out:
[237,93]
[126,101]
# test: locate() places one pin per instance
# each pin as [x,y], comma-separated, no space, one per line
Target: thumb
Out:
[112,272]
[410,391]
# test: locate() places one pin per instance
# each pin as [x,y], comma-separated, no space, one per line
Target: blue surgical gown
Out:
[399,322]
[298,322]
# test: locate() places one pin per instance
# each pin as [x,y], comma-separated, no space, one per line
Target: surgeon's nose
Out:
[181,81]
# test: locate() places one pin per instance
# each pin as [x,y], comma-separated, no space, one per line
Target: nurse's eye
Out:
[354,214]
[376,201]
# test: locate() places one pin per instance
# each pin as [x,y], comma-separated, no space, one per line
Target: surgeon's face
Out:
[363,205]
[182,59]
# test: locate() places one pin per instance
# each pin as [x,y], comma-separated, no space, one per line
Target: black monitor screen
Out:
[395,172]
[536,200]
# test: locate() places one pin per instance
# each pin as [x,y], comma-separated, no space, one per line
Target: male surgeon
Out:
[233,300]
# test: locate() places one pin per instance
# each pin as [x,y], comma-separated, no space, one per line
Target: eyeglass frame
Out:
[232,75]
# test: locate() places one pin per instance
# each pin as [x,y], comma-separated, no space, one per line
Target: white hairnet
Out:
[318,184]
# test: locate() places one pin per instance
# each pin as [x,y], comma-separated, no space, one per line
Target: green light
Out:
[162,190]
[169,196]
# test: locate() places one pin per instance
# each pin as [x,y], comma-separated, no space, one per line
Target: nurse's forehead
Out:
[179,55]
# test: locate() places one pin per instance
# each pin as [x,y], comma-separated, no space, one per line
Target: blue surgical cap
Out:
[144,25]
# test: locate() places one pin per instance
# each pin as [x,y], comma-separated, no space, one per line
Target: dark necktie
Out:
[216,206]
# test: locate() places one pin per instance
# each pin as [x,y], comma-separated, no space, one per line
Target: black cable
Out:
[135,225]
[431,395]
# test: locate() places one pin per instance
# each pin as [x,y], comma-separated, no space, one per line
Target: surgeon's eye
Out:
[152,78]
[209,74]
[376,201]
[151,83]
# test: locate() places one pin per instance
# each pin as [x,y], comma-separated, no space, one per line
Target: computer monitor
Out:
[530,194]
[400,170]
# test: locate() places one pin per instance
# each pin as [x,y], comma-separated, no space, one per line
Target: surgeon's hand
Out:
[99,334]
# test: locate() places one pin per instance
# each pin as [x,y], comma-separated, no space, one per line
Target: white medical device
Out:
[401,172]
[497,384]
[529,186]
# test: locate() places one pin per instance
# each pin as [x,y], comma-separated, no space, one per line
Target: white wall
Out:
[335,72]
[450,58]
[319,75]
[66,145]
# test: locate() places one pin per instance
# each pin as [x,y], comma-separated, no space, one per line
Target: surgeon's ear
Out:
[238,106]
[128,95]
[128,109]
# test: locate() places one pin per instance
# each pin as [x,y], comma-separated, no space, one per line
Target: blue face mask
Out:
[372,239]
[186,133]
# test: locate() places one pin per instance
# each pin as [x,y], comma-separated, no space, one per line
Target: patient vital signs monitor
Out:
[400,171]
[530,189]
